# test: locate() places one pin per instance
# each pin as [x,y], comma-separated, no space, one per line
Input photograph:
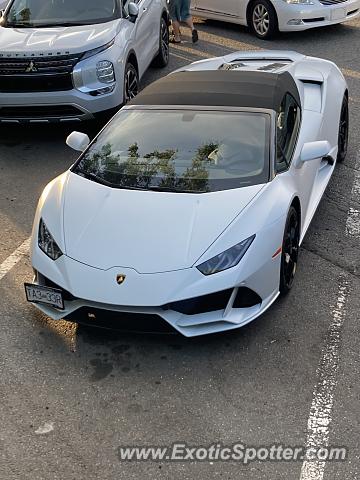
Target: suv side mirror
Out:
[133,9]
[314,150]
[78,141]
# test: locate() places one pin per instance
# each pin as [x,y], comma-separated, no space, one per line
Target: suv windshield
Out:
[40,13]
[180,151]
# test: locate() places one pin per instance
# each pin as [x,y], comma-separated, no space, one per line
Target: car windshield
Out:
[40,13]
[180,151]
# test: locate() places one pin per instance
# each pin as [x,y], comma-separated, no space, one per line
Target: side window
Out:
[287,128]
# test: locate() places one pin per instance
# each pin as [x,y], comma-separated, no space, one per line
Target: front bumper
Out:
[46,107]
[95,291]
[98,314]
[303,17]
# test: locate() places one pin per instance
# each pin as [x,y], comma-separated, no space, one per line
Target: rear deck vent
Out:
[257,64]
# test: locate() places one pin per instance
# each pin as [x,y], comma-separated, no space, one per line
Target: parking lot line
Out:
[353,218]
[350,73]
[14,258]
[182,57]
[192,51]
[323,397]
[230,44]
[320,417]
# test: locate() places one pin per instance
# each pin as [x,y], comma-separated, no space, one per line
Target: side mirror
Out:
[78,141]
[133,9]
[314,150]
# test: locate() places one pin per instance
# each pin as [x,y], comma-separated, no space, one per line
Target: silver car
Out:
[73,59]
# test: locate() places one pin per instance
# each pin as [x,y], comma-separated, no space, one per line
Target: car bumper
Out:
[183,298]
[66,106]
[303,17]
[97,314]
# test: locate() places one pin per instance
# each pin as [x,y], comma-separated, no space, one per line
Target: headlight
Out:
[299,2]
[105,71]
[227,259]
[95,51]
[47,243]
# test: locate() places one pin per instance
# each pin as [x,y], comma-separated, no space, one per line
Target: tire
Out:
[343,138]
[131,82]
[290,251]
[162,58]
[262,19]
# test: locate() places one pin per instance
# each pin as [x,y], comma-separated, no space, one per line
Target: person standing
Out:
[180,13]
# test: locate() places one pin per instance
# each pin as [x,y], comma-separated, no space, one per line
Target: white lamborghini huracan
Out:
[190,205]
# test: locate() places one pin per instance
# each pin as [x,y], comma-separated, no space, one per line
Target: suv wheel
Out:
[131,83]
[162,58]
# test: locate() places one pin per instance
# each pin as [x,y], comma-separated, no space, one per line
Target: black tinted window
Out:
[287,128]
[197,151]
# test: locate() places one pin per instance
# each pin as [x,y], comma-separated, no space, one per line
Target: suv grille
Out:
[37,74]
[40,112]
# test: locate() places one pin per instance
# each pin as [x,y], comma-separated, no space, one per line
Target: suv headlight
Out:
[47,243]
[227,259]
[105,71]
[95,51]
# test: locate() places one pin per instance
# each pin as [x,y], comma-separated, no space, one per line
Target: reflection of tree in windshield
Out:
[153,169]
[196,177]
[25,15]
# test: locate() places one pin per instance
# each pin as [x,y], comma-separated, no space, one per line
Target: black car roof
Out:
[220,88]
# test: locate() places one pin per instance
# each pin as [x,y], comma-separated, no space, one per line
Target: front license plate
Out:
[47,295]
[337,14]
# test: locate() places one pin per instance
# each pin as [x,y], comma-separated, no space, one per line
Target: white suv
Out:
[64,60]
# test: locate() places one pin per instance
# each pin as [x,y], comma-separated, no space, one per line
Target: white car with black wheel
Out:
[266,17]
[190,206]
[66,60]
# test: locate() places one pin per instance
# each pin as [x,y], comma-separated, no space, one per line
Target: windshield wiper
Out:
[19,24]
[42,25]
[153,188]
[156,188]
[94,177]
[102,181]
[59,24]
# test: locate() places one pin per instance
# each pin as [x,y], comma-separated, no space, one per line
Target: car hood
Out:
[56,40]
[148,231]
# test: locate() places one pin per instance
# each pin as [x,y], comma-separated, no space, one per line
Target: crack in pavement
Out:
[344,268]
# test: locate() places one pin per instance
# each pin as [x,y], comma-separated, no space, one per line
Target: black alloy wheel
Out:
[131,83]
[343,139]
[162,58]
[290,251]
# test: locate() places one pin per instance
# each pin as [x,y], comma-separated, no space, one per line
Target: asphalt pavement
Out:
[70,396]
